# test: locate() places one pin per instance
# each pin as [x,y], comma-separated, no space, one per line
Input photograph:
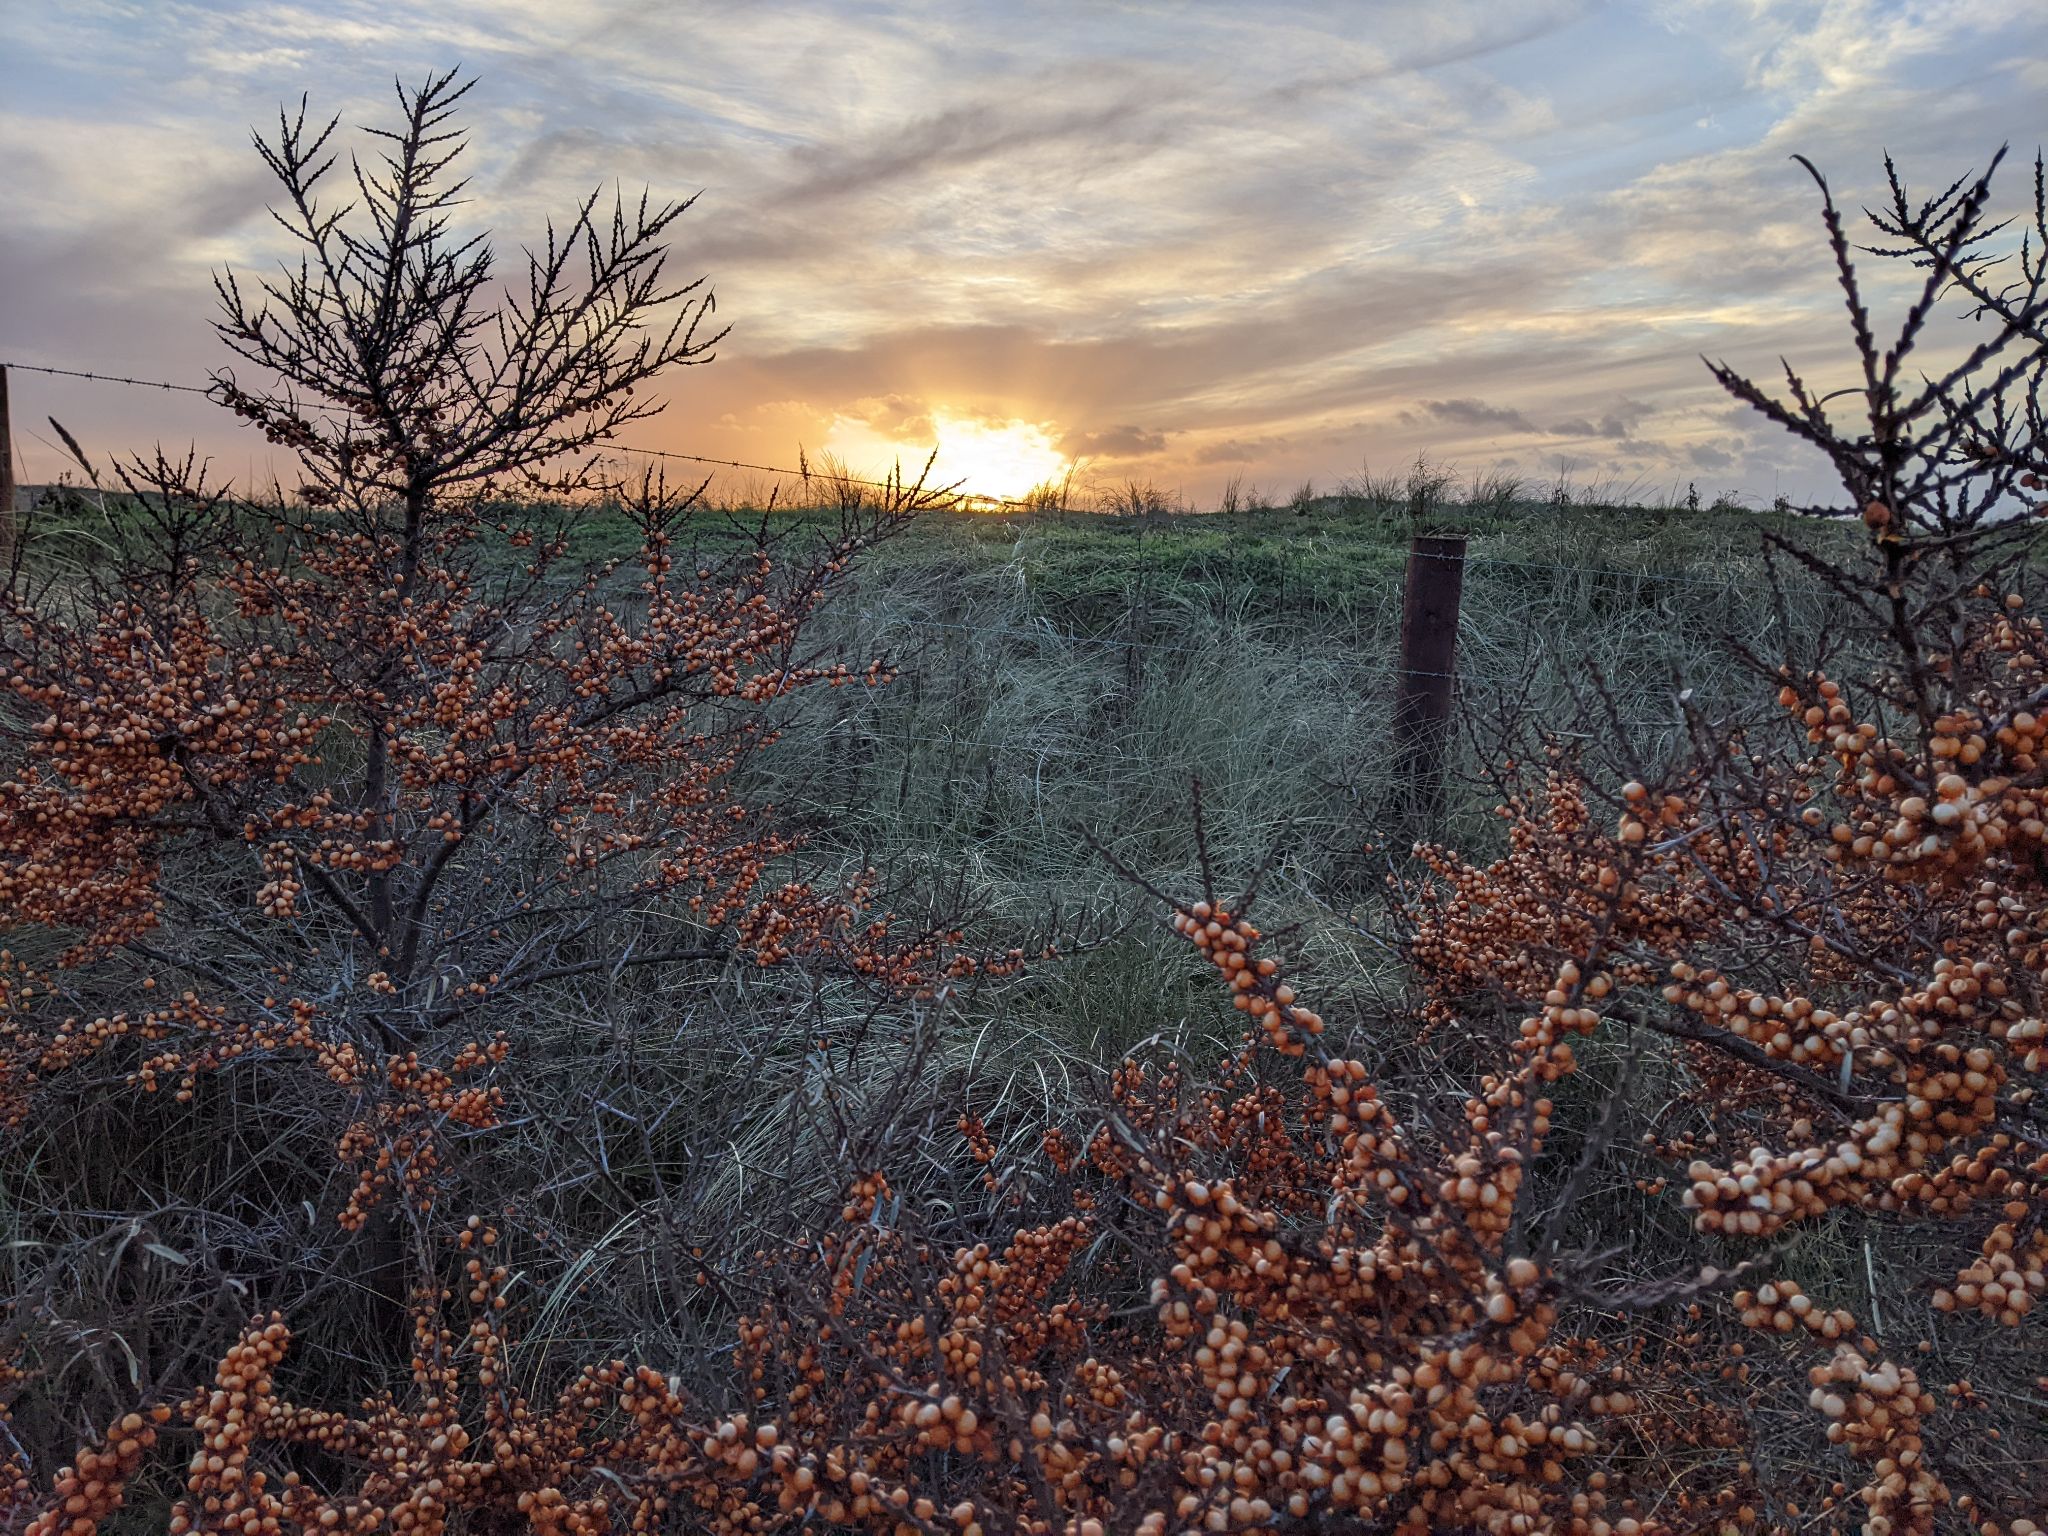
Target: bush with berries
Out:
[1698,1184]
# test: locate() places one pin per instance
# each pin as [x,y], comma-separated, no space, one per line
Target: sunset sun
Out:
[983,456]
[995,458]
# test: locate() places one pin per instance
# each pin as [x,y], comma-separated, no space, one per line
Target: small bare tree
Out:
[393,322]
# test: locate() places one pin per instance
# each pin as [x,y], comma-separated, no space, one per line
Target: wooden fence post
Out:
[1429,651]
[7,491]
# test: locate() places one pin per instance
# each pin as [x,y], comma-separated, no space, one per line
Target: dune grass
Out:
[1065,680]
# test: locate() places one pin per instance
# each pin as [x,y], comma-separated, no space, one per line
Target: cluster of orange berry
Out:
[2004,1283]
[1335,1294]
[395,1145]
[1254,985]
[95,1486]
[1563,887]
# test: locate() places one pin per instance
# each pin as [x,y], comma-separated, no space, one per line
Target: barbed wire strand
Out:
[1044,635]
[808,473]
[1097,754]
[105,378]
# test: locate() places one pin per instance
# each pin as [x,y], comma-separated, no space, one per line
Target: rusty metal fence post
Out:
[1427,685]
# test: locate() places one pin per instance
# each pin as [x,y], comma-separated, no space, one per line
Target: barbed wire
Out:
[802,472]
[888,620]
[106,378]
[1058,636]
[834,476]
[1045,635]
[1572,570]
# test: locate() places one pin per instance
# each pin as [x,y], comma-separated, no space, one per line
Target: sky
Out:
[1170,243]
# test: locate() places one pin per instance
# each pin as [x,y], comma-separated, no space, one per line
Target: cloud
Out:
[1242,450]
[948,143]
[1618,424]
[1470,412]
[1114,443]
[900,416]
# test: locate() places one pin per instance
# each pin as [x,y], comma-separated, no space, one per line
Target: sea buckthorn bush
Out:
[1696,1181]
[359,790]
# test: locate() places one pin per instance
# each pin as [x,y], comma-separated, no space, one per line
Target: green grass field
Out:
[1066,679]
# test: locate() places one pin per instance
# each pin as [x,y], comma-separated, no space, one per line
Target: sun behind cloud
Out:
[984,456]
